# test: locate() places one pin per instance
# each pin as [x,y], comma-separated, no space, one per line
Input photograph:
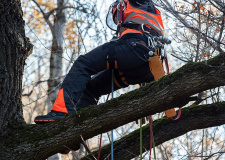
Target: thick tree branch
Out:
[46,17]
[170,91]
[194,117]
[84,10]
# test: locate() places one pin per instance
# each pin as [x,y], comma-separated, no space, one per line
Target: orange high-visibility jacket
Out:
[138,16]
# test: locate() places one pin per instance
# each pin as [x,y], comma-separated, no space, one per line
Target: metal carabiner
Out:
[142,28]
[151,42]
[151,45]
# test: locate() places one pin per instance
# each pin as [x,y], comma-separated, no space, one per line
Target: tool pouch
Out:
[156,67]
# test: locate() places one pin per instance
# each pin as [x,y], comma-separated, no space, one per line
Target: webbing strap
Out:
[111,58]
[139,28]
[120,79]
[111,64]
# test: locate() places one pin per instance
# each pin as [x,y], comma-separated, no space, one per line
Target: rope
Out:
[152,142]
[99,148]
[100,143]
[112,130]
[150,150]
[178,116]
[112,145]
[141,145]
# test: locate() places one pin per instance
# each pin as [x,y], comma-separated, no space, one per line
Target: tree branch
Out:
[64,7]
[167,6]
[168,92]
[194,117]
[46,17]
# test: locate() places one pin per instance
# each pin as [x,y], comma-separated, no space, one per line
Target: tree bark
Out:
[40,142]
[14,49]
[192,118]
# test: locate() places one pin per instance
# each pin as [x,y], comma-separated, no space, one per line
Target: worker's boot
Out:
[50,117]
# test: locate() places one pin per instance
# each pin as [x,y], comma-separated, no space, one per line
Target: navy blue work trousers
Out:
[88,78]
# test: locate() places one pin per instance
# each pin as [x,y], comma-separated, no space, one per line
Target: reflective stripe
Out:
[138,16]
[145,21]
[145,15]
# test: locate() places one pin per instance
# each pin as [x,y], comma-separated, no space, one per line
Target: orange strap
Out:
[116,82]
[123,80]
[119,79]
[107,64]
[129,31]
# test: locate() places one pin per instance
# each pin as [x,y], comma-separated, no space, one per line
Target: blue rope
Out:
[112,130]
[112,145]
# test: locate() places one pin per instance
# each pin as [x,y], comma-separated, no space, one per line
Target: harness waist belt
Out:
[138,27]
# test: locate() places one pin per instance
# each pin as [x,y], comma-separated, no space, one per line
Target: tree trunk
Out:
[56,52]
[14,49]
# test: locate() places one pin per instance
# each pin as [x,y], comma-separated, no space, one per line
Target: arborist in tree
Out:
[134,55]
